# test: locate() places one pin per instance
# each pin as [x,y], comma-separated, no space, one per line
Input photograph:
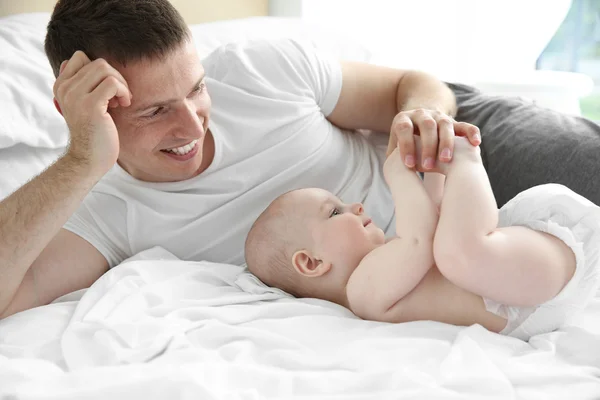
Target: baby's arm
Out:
[393,270]
[513,265]
[416,215]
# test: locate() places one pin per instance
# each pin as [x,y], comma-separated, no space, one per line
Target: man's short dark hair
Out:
[120,31]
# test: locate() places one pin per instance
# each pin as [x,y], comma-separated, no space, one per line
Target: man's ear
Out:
[308,265]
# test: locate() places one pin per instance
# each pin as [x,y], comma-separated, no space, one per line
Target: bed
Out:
[158,327]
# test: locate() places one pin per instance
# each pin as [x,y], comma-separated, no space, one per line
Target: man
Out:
[152,162]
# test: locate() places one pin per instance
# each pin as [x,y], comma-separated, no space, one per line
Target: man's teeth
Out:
[183,150]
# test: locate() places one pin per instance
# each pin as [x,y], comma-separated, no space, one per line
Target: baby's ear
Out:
[306,264]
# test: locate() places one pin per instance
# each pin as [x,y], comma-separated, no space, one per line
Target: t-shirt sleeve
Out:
[101,220]
[284,69]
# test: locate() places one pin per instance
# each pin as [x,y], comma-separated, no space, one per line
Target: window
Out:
[576,48]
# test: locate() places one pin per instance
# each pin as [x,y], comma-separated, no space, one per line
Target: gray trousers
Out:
[524,145]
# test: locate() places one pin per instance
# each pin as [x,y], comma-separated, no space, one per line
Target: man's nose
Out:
[192,121]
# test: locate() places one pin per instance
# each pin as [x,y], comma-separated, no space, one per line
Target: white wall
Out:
[455,39]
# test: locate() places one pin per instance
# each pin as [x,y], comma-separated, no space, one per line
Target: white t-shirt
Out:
[270,100]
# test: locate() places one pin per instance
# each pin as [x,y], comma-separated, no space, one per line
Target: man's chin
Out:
[167,173]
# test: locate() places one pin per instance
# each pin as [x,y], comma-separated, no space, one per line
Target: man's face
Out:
[164,134]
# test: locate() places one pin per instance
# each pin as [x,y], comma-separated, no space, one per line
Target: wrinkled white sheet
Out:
[156,327]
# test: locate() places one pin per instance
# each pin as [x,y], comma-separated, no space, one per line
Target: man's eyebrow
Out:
[166,102]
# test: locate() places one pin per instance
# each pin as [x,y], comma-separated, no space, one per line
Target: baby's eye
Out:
[334,212]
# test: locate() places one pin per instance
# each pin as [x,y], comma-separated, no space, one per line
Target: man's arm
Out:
[30,219]
[373,95]
[402,103]
[393,270]
[67,264]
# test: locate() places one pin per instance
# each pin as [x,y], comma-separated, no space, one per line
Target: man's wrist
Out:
[418,89]
[79,169]
[432,106]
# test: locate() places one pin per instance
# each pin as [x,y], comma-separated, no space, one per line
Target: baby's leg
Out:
[514,265]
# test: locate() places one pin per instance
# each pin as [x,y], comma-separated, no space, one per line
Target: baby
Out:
[522,270]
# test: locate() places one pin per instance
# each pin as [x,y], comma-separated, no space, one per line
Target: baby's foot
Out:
[463,151]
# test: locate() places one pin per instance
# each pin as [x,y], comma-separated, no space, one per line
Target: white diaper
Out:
[559,211]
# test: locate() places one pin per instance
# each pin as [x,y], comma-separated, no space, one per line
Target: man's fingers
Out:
[95,72]
[69,68]
[468,130]
[62,67]
[92,75]
[78,61]
[446,139]
[88,78]
[110,87]
[403,129]
[429,139]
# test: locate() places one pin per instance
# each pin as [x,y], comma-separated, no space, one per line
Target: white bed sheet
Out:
[158,327]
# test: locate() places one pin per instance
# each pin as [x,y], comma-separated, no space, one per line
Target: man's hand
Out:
[437,131]
[84,91]
[394,164]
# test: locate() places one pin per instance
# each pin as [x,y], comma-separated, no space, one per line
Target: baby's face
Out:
[342,234]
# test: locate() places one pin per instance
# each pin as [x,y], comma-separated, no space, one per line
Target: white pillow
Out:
[27,114]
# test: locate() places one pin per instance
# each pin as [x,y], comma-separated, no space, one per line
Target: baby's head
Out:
[308,243]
